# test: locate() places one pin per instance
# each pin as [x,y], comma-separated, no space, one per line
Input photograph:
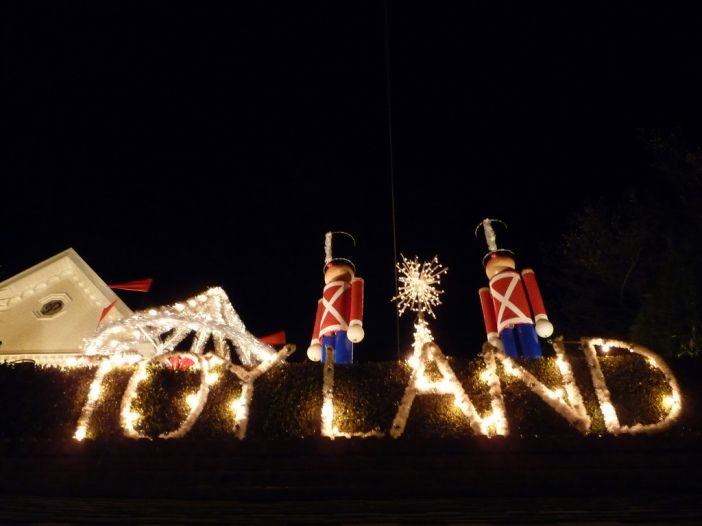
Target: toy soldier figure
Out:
[506,303]
[339,320]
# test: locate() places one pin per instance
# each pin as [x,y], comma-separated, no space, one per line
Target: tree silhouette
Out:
[629,264]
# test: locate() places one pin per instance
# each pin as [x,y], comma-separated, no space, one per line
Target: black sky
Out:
[215,144]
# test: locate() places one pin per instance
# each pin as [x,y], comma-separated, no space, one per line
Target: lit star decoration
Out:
[418,290]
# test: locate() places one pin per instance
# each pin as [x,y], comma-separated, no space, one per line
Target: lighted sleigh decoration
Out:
[152,337]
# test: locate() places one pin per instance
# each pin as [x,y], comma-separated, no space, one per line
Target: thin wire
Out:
[388,95]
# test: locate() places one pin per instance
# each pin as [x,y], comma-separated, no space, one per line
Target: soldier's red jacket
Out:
[341,305]
[506,303]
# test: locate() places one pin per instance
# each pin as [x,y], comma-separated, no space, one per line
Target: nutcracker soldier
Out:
[506,303]
[339,320]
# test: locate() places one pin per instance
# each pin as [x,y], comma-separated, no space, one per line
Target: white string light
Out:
[159,330]
[240,409]
[94,393]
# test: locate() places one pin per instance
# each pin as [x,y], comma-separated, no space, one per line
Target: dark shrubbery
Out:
[45,402]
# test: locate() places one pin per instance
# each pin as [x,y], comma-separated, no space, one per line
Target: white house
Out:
[47,311]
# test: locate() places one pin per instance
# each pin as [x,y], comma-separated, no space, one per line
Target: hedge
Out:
[45,402]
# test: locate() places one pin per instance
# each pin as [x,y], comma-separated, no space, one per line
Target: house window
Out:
[51,308]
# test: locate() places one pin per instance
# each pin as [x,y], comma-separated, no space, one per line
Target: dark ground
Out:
[592,480]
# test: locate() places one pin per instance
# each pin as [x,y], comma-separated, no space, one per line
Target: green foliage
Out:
[41,403]
[604,266]
[161,399]
[669,317]
[528,414]
[287,403]
[104,423]
[635,388]
[366,395]
[216,421]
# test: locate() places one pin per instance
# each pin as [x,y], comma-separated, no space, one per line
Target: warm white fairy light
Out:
[556,394]
[508,366]
[419,285]
[497,402]
[562,365]
[191,400]
[610,417]
[328,394]
[240,410]
[609,412]
[237,406]
[72,362]
[422,336]
[328,418]
[128,417]
[670,402]
[94,392]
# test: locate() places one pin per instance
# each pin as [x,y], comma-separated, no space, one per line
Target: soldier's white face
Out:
[498,264]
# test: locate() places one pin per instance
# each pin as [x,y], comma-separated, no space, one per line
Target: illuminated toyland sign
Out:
[513,312]
[211,318]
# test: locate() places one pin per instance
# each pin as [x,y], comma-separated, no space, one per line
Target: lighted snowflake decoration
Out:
[419,285]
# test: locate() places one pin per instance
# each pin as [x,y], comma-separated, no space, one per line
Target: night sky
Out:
[213,144]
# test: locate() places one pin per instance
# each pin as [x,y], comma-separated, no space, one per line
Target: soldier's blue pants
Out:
[521,341]
[343,348]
